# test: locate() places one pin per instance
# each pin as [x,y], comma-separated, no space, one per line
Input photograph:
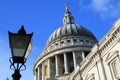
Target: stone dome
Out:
[66,48]
[70,29]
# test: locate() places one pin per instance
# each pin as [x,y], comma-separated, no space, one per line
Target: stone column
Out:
[102,66]
[48,68]
[43,71]
[65,63]
[35,75]
[83,55]
[38,73]
[56,66]
[74,59]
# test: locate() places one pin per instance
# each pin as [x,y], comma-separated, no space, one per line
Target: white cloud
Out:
[99,5]
[105,8]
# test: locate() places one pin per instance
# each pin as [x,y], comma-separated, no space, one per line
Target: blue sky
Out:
[43,17]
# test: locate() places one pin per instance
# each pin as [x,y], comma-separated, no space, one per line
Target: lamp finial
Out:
[22,30]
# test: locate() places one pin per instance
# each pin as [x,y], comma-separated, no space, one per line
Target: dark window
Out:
[87,41]
[62,42]
[75,40]
[86,53]
[56,44]
[71,69]
[68,40]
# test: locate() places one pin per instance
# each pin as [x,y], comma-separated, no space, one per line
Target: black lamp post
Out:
[20,44]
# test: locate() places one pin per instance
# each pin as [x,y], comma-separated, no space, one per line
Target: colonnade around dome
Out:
[59,65]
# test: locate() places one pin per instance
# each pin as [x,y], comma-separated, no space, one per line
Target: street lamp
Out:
[20,44]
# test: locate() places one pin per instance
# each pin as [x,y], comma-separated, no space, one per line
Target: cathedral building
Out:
[72,52]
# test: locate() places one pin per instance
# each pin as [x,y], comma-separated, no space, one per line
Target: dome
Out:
[70,29]
[66,48]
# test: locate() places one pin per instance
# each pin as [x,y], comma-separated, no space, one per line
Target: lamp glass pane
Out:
[19,44]
[18,52]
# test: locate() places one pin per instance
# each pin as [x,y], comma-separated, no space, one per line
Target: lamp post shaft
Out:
[16,75]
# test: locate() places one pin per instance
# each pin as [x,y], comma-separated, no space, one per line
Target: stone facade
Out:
[103,62]
[73,53]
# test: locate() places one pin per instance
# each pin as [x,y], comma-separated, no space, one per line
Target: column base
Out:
[56,74]
[66,73]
